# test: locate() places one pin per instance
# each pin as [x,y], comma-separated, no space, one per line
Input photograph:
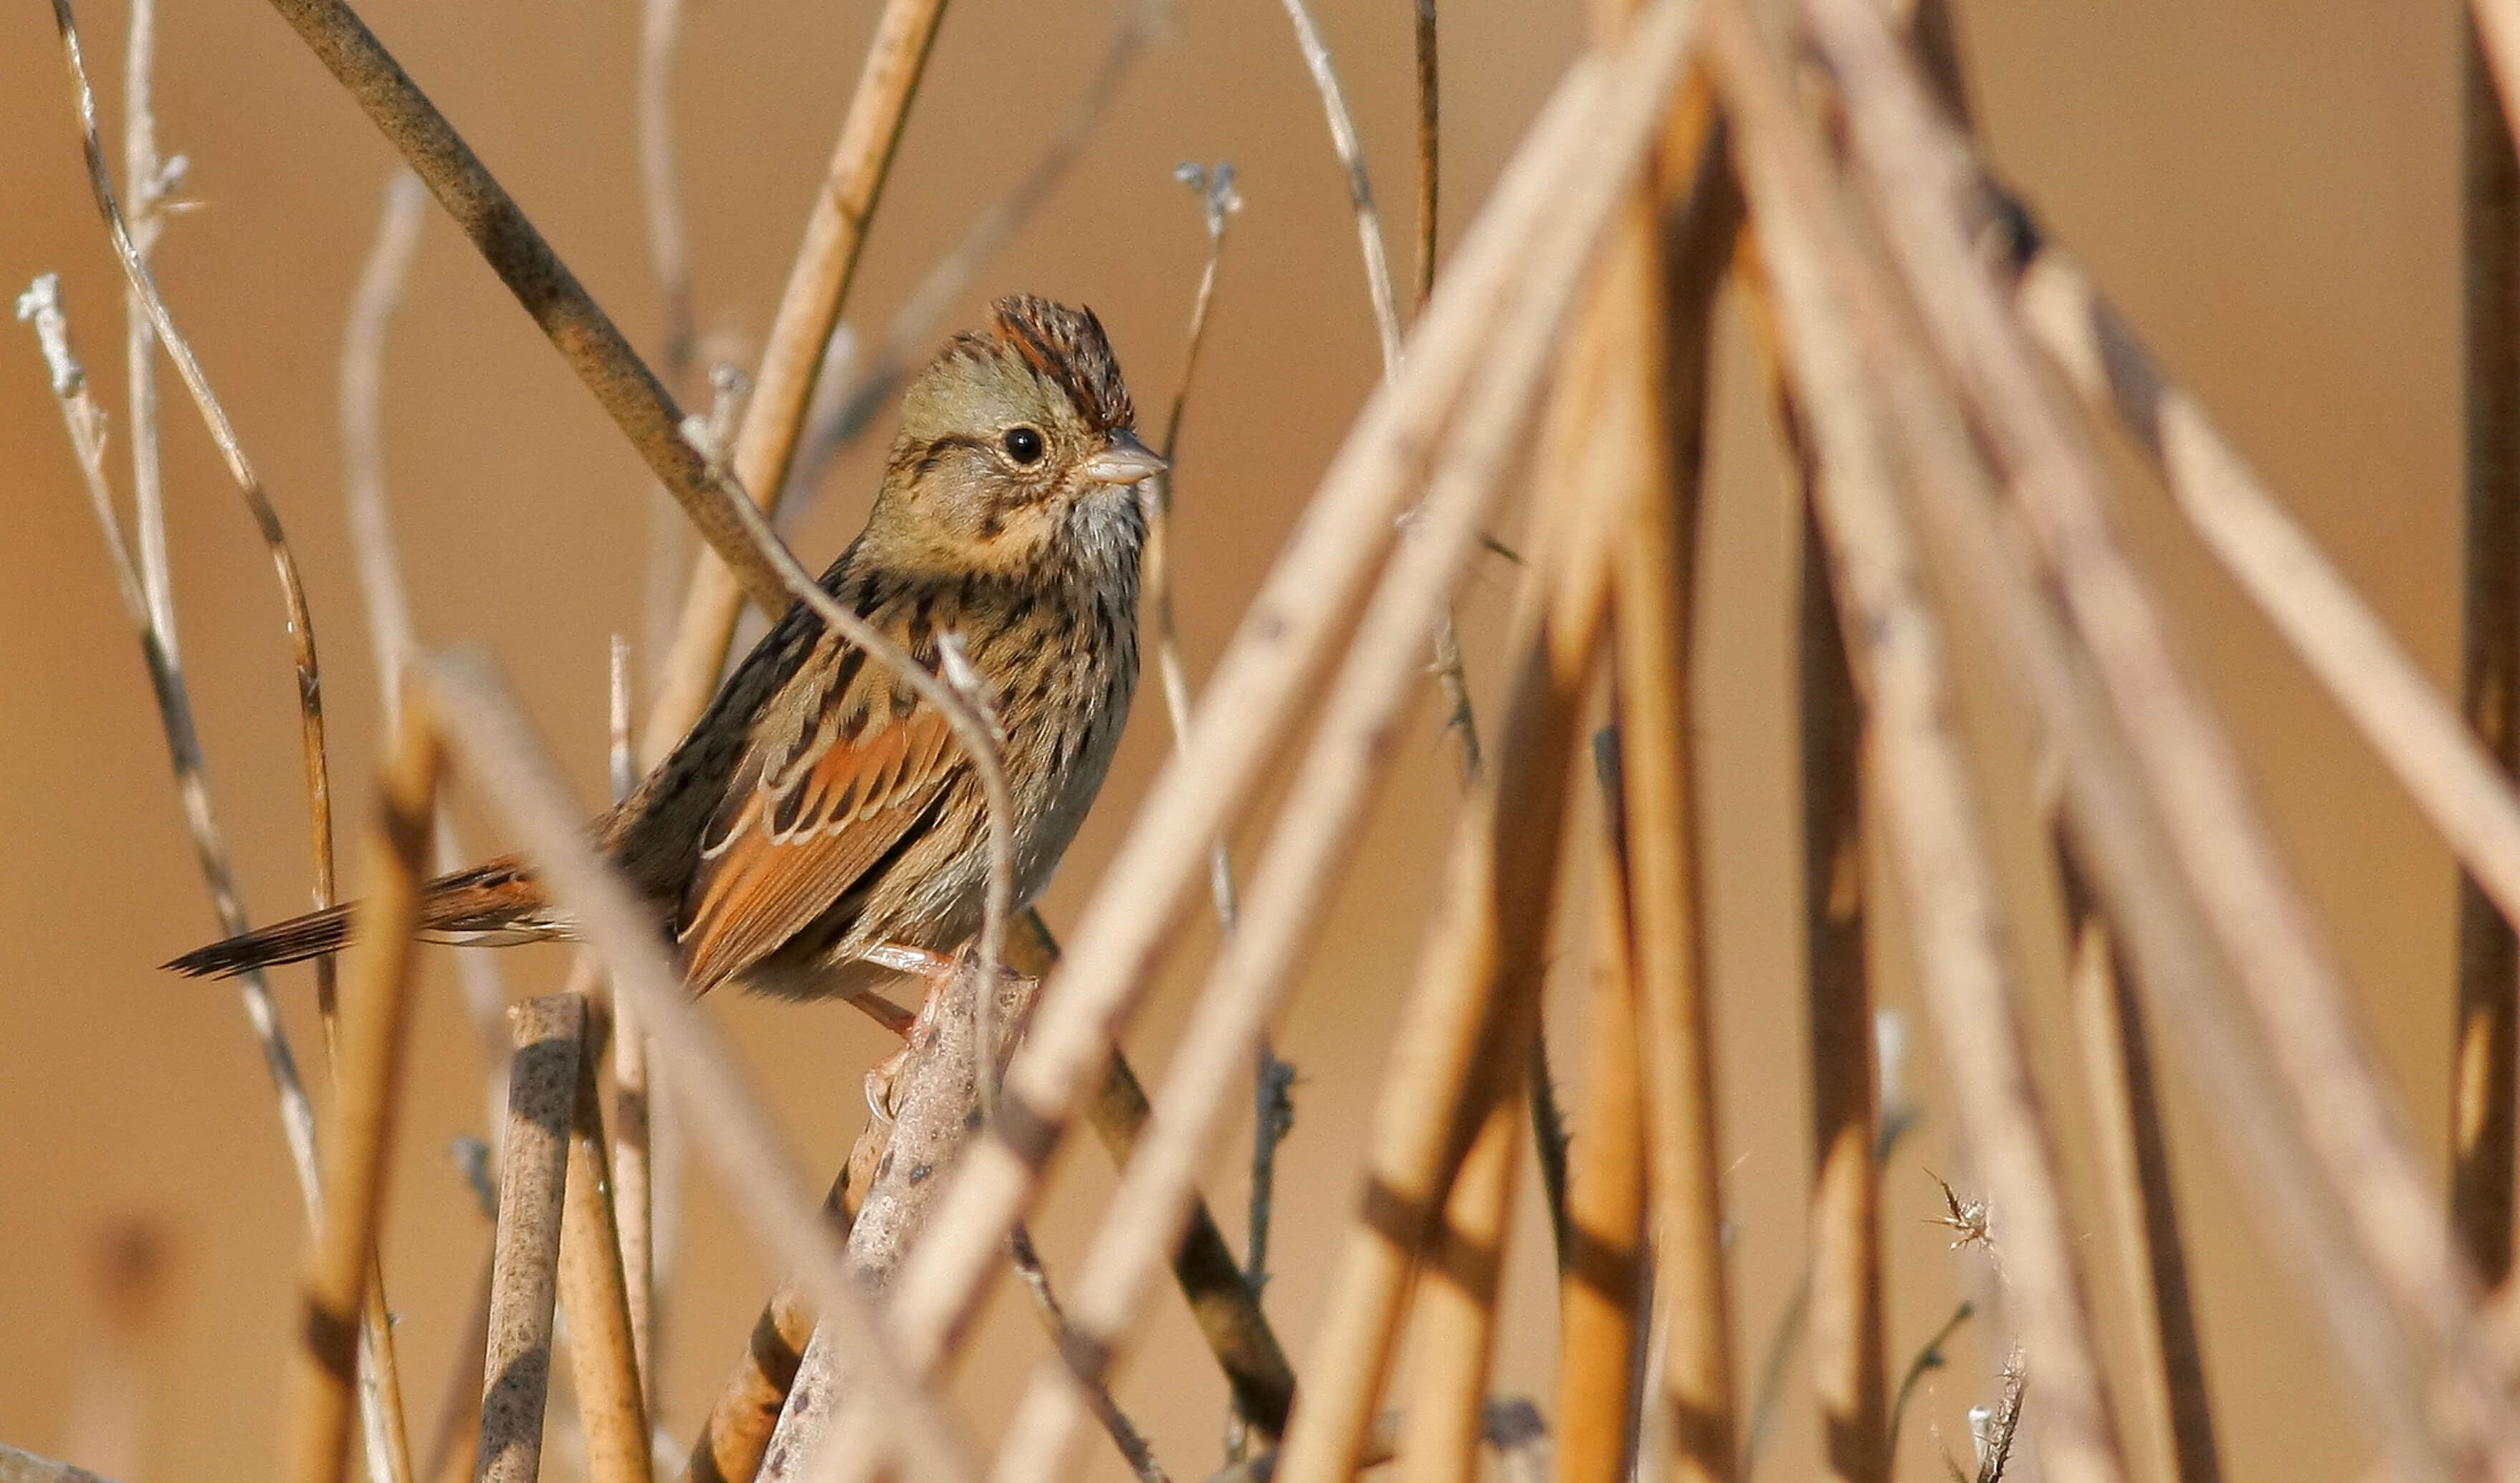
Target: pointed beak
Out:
[1123,461]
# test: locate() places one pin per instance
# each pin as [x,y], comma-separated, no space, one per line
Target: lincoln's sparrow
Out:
[821,811]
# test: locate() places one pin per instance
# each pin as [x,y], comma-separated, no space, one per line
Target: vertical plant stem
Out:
[1601,1293]
[1430,141]
[603,1356]
[2483,1098]
[1456,1297]
[1672,286]
[549,1036]
[367,1081]
[2116,1069]
[783,387]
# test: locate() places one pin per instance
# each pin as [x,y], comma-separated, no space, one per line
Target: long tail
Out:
[497,902]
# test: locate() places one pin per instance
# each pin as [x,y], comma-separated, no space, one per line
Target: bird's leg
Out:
[937,971]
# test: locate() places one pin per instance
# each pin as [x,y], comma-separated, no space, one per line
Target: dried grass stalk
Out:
[1600,1289]
[368,1065]
[782,385]
[1454,1345]
[1924,782]
[2117,1074]
[603,1356]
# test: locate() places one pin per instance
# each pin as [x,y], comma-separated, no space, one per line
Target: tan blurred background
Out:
[2269,188]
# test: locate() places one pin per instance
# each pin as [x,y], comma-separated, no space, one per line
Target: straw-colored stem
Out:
[1914,166]
[782,385]
[1283,644]
[456,1443]
[1926,794]
[585,337]
[603,1355]
[1601,1290]
[2485,1103]
[740,1422]
[359,1137]
[1665,395]
[2117,1074]
[1456,1333]
[497,749]
[550,1037]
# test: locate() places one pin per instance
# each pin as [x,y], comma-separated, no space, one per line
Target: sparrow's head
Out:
[1013,439]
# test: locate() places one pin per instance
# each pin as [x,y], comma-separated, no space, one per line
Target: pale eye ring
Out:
[1022,445]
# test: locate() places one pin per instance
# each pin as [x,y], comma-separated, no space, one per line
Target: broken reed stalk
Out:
[1922,781]
[1299,866]
[2117,1074]
[603,1354]
[1601,1292]
[1283,642]
[1453,1344]
[368,1064]
[585,337]
[496,747]
[783,384]
[932,1098]
[1915,166]
[550,1037]
[1667,275]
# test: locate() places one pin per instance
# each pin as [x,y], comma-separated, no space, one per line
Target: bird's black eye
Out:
[1022,445]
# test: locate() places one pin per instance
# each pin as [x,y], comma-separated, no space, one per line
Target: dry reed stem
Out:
[1661,411]
[1926,794]
[2117,1074]
[633,1202]
[783,384]
[153,182]
[498,749]
[1454,1342]
[1919,166]
[660,186]
[1430,139]
[603,1354]
[1600,1293]
[1318,824]
[586,338]
[2114,830]
[1309,596]
[550,1037]
[2451,778]
[17,1466]
[2496,25]
[844,406]
[368,1068]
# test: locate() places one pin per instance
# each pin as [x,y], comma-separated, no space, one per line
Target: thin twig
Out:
[1300,865]
[633,1094]
[154,183]
[660,186]
[1929,1358]
[374,1023]
[1429,148]
[1124,1433]
[1283,641]
[497,749]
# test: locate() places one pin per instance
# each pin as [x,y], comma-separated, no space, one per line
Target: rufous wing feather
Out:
[805,824]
